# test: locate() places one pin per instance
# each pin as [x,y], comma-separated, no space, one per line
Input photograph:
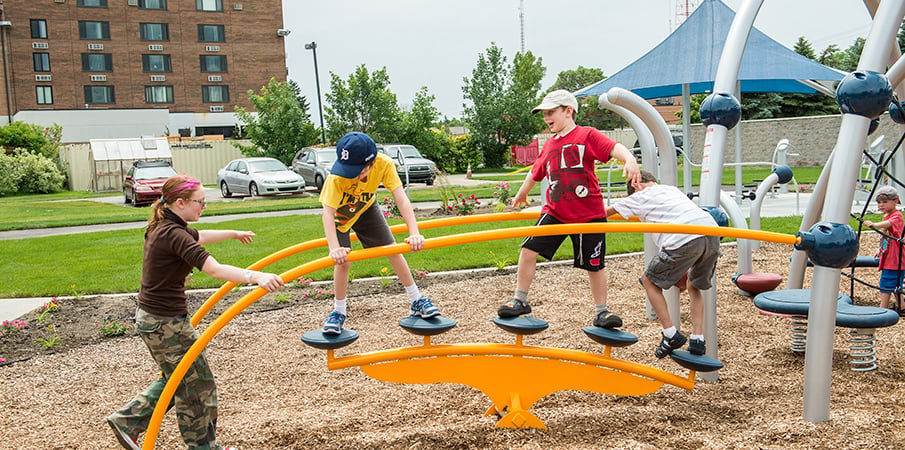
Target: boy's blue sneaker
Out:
[334,323]
[424,308]
[667,345]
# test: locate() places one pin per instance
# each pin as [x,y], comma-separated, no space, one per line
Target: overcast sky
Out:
[435,43]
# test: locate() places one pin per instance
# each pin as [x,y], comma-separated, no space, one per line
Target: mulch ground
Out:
[276,393]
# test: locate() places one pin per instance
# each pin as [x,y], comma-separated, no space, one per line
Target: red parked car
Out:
[144,180]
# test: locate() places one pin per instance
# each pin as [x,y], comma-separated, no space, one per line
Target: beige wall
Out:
[200,159]
[812,138]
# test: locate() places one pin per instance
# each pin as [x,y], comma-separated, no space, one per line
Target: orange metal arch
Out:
[438,242]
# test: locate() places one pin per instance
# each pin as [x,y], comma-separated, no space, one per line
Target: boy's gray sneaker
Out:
[514,308]
[424,308]
[607,319]
[128,442]
[697,347]
[668,345]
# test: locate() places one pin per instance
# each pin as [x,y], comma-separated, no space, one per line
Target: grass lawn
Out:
[109,262]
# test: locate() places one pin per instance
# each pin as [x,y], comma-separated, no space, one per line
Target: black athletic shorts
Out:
[588,249]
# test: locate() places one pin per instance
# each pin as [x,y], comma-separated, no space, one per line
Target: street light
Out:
[313,47]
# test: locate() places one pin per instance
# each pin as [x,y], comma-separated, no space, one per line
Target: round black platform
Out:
[610,336]
[521,324]
[426,327]
[317,339]
[700,363]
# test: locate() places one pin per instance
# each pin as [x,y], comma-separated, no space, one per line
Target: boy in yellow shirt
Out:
[348,198]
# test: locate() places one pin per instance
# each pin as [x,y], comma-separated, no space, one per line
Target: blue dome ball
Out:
[721,109]
[784,173]
[829,244]
[896,112]
[865,93]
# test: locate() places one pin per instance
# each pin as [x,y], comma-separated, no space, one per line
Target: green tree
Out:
[761,105]
[485,90]
[417,126]
[589,111]
[521,96]
[282,125]
[363,103]
[852,55]
[804,48]
[501,97]
[797,105]
[33,138]
[832,56]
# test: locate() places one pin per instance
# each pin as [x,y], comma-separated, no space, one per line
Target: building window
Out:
[44,95]
[94,30]
[99,95]
[211,33]
[213,63]
[152,4]
[97,62]
[42,62]
[38,29]
[155,32]
[209,5]
[158,94]
[92,3]
[156,63]
[215,94]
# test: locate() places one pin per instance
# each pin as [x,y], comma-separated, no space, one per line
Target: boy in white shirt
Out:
[653,202]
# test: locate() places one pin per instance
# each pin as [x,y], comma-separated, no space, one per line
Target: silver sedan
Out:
[258,176]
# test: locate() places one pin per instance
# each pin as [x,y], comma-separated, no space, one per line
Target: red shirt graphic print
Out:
[574,194]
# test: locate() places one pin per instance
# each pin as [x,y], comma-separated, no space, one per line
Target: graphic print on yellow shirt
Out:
[351,197]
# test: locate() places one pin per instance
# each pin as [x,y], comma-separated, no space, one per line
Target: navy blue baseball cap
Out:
[353,152]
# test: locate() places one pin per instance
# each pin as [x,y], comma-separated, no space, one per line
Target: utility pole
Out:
[521,19]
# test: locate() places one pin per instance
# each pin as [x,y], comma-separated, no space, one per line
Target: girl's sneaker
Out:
[128,442]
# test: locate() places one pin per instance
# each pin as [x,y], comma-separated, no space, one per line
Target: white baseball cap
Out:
[559,97]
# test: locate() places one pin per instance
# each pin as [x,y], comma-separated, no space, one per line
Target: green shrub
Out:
[9,181]
[28,173]
[33,138]
[458,152]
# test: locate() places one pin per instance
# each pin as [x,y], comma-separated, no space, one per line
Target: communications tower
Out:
[683,9]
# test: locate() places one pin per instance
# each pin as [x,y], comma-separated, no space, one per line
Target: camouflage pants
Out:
[195,400]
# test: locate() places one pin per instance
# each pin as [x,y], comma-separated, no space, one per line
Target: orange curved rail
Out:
[205,308]
[444,241]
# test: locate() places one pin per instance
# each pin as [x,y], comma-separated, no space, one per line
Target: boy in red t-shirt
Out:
[891,270]
[567,159]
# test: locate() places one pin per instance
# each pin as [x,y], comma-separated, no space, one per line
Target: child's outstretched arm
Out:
[521,197]
[630,169]
[415,239]
[881,225]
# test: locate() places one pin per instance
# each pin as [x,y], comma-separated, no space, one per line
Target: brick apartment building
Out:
[126,68]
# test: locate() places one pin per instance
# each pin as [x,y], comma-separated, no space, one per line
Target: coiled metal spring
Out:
[863,350]
[799,333]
